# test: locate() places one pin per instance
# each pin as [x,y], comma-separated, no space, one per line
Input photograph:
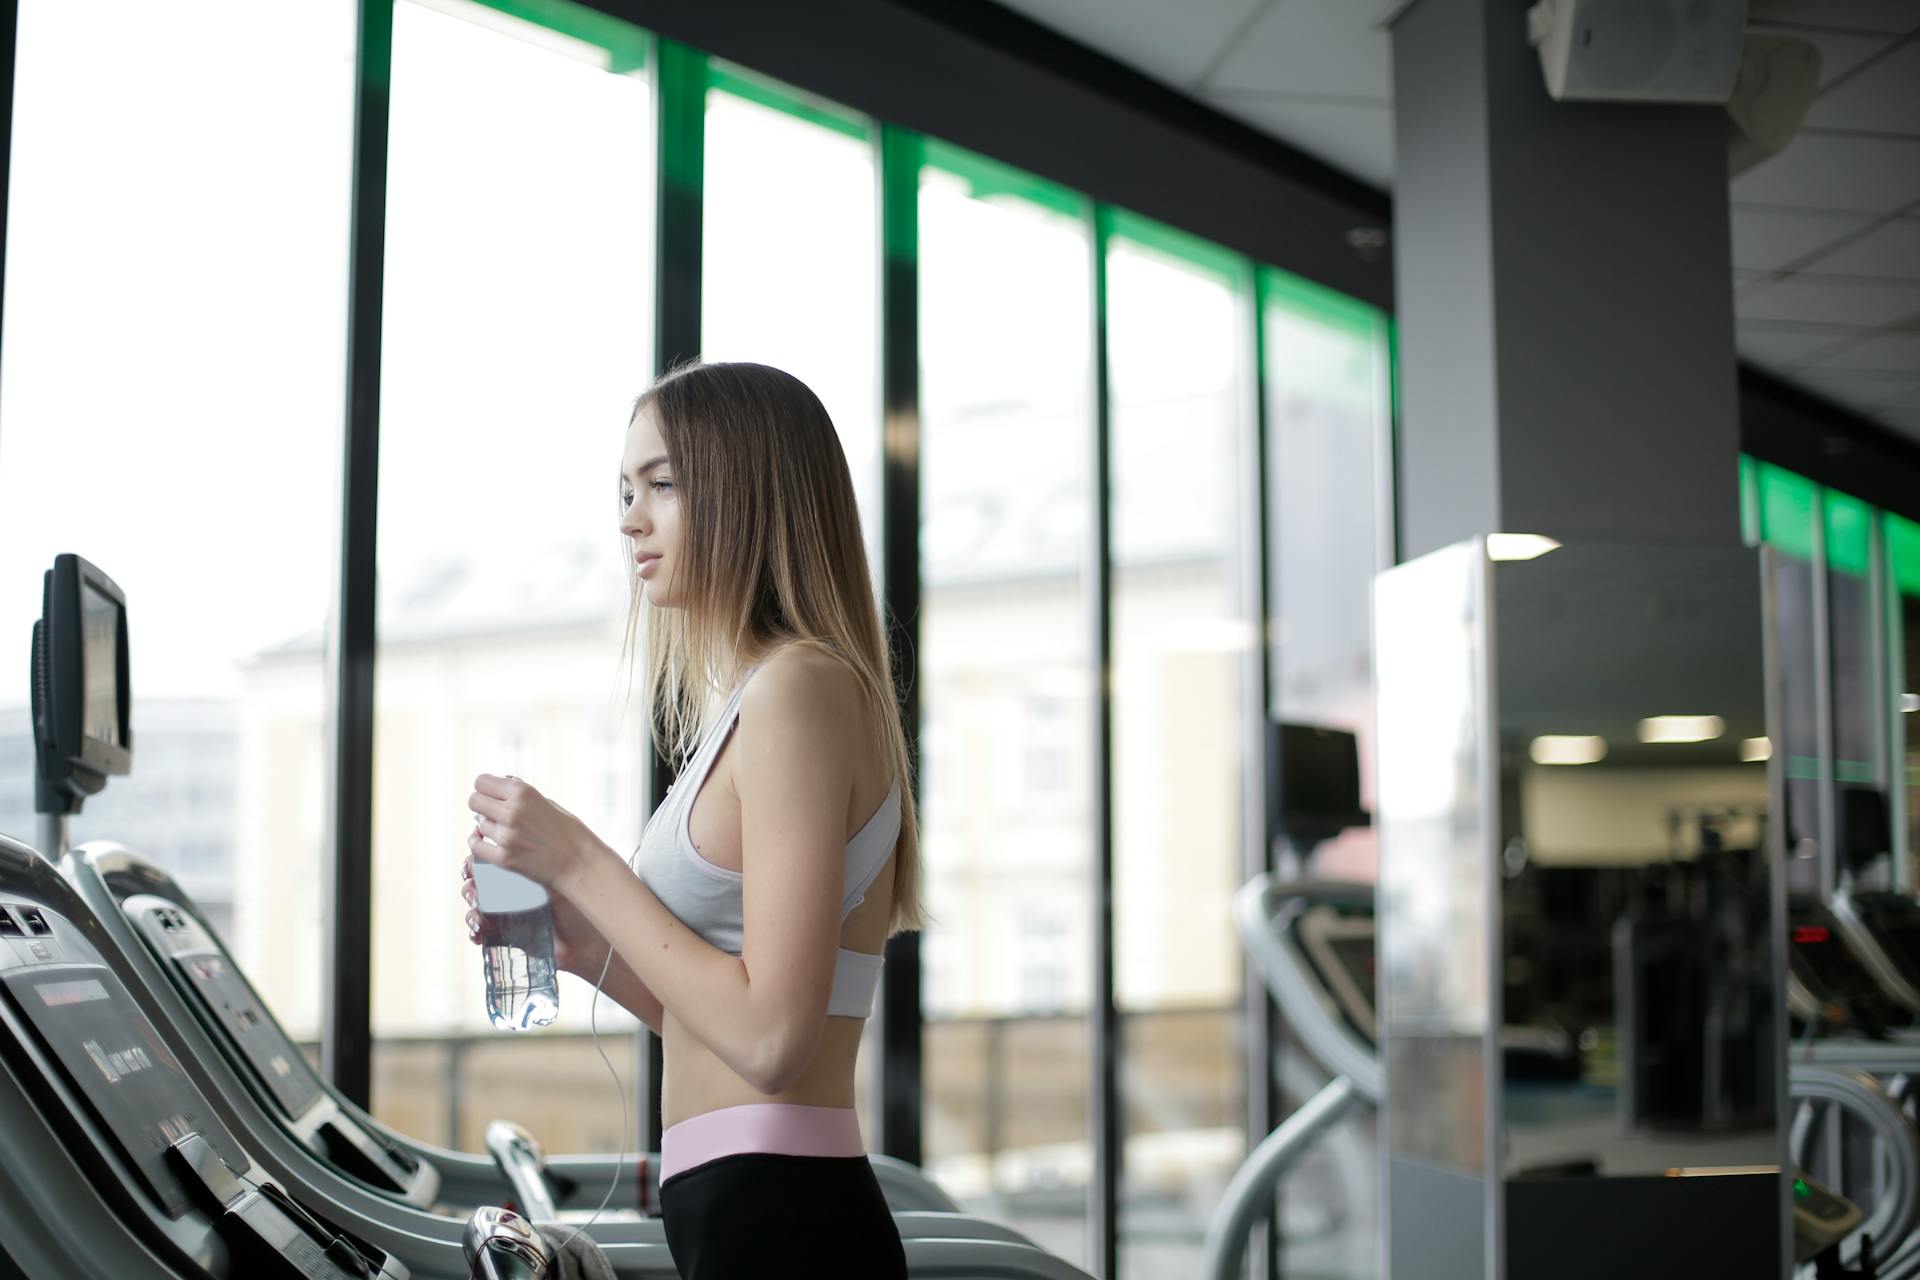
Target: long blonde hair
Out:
[771,555]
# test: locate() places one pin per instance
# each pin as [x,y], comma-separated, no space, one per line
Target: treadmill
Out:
[194,977]
[410,1240]
[1313,943]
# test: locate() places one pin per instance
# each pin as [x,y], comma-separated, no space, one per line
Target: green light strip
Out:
[1327,307]
[1229,267]
[1849,524]
[767,92]
[1903,553]
[988,178]
[626,45]
[1787,504]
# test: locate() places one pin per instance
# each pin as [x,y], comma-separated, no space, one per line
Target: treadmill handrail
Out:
[1255,907]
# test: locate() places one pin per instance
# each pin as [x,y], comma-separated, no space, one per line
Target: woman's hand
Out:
[518,829]
[578,947]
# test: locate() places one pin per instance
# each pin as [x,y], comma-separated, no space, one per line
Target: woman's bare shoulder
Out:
[803,688]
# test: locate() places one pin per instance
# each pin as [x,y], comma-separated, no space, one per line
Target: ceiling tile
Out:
[1174,43]
[1898,351]
[1768,239]
[1796,298]
[1889,251]
[1312,46]
[1840,52]
[1353,137]
[1853,15]
[1779,348]
[1885,97]
[1825,171]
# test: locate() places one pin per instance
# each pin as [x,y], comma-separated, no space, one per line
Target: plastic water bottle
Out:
[516,948]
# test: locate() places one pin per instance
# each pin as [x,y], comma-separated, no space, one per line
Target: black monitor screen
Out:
[260,1038]
[111,1052]
[100,664]
[1829,960]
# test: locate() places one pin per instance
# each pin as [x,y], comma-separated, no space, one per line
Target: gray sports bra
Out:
[706,898]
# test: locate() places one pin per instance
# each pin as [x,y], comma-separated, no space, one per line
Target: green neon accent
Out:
[1849,532]
[1801,1191]
[1805,767]
[1853,771]
[373,48]
[902,151]
[725,77]
[1316,302]
[1189,250]
[1903,552]
[682,88]
[987,178]
[1342,362]
[1787,504]
[627,46]
[1749,501]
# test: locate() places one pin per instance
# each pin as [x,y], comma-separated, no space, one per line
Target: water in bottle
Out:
[516,948]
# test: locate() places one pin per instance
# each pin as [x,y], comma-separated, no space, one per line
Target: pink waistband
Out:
[775,1128]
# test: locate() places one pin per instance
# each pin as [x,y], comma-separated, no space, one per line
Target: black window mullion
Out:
[901,1031]
[1103,1100]
[1257,594]
[680,116]
[346,1035]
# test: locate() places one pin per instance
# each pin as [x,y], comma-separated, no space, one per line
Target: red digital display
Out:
[1804,934]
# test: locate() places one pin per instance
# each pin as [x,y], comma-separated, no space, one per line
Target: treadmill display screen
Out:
[260,1038]
[111,1053]
[1827,957]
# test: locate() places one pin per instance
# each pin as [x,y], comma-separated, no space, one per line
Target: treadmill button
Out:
[8,927]
[35,922]
[40,950]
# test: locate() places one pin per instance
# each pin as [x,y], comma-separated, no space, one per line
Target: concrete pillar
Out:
[1564,289]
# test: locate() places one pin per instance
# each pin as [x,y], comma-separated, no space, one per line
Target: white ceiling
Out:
[1826,235]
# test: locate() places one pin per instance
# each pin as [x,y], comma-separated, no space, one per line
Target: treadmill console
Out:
[233,1012]
[1827,970]
[1341,949]
[73,1037]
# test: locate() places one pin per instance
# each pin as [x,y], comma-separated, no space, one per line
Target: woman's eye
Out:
[662,486]
[626,500]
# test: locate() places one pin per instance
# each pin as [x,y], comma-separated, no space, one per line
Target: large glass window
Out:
[1328,387]
[1903,560]
[174,357]
[1852,654]
[789,256]
[517,331]
[1781,510]
[1006,320]
[1181,637]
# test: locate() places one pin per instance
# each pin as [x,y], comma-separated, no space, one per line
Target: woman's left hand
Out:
[521,830]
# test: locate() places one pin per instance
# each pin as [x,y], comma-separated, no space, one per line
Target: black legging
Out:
[756,1215]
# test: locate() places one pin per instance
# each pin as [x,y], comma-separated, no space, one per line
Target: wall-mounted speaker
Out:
[1639,50]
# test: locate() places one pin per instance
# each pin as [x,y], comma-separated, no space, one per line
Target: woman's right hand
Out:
[578,947]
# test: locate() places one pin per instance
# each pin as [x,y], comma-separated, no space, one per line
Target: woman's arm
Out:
[631,994]
[760,1012]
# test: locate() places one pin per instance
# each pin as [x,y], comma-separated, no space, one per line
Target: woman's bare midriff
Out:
[696,1080]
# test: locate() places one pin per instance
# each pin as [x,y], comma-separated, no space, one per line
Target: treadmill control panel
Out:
[234,1007]
[235,1012]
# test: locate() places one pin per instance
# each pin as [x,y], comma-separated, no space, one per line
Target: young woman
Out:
[784,855]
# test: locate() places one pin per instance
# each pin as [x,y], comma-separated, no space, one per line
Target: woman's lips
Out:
[646,564]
